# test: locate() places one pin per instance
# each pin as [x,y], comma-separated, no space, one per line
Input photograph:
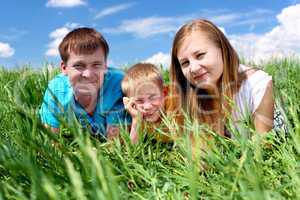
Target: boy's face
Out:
[149,100]
[86,72]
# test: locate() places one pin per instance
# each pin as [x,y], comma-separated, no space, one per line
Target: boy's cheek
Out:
[160,104]
[141,111]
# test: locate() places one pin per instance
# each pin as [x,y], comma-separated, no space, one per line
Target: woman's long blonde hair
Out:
[196,102]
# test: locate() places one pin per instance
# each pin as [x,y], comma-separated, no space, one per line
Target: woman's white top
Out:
[250,94]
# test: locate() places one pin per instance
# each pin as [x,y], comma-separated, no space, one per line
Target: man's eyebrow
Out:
[98,62]
[78,62]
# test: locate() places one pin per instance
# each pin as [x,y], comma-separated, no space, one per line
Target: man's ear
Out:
[106,67]
[63,67]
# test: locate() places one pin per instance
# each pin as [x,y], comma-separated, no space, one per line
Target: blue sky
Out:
[143,30]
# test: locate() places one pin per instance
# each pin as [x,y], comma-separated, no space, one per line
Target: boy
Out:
[145,98]
[86,87]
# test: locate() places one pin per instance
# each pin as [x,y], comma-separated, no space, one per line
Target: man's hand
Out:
[53,130]
[112,132]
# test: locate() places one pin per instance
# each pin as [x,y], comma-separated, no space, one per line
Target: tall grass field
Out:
[37,164]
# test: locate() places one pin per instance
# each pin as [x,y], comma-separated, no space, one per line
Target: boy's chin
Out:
[152,119]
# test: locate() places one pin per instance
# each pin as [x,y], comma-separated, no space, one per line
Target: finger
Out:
[125,100]
[132,103]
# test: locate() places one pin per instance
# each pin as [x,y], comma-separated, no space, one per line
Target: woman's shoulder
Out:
[253,87]
[253,74]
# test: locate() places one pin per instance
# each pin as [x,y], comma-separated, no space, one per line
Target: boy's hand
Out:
[130,106]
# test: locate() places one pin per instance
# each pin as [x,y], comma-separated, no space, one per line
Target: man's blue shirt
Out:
[59,103]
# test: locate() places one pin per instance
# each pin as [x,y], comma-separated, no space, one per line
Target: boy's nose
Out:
[147,106]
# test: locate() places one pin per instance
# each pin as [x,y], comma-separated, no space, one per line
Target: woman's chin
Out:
[206,85]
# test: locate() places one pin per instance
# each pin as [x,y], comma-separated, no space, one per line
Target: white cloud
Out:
[159,59]
[57,35]
[225,18]
[65,3]
[145,27]
[6,50]
[149,26]
[113,9]
[228,18]
[222,29]
[282,40]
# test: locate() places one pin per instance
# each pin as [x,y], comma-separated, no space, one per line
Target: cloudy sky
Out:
[30,31]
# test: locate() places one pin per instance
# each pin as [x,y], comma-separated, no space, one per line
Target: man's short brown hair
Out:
[82,41]
[139,74]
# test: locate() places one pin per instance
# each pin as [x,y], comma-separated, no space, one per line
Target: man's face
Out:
[86,72]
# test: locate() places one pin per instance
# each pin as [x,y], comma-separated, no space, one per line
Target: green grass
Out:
[36,164]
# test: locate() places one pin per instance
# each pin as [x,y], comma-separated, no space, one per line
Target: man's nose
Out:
[86,73]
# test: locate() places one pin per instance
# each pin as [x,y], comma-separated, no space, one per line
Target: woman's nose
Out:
[194,67]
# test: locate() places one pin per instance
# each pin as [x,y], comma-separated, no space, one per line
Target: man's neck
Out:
[88,103]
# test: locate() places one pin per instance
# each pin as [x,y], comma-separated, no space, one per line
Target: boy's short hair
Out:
[82,41]
[139,74]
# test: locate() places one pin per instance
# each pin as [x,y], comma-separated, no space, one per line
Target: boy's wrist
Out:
[135,120]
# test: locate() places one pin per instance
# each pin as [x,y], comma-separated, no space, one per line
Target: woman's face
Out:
[200,60]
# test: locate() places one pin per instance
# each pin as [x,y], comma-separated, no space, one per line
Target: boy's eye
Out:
[139,101]
[154,97]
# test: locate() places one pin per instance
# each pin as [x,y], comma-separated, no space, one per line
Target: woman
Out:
[214,87]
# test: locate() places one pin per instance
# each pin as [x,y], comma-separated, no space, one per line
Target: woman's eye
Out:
[184,64]
[200,55]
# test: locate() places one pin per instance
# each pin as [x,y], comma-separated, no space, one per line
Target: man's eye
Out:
[98,66]
[78,66]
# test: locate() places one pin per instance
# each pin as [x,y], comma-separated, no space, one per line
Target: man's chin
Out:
[83,92]
[86,89]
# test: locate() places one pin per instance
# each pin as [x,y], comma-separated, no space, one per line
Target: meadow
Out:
[36,164]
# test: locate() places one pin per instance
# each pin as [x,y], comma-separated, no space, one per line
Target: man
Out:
[86,87]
